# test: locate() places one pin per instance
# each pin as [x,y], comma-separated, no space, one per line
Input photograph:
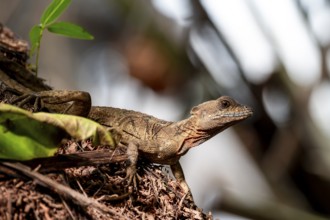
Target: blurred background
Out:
[162,57]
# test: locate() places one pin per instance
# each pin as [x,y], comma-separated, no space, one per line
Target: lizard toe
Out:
[130,175]
[23,99]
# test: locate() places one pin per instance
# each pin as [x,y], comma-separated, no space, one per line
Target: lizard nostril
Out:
[247,108]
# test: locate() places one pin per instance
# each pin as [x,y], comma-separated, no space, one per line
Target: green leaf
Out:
[53,11]
[23,138]
[35,37]
[25,135]
[70,30]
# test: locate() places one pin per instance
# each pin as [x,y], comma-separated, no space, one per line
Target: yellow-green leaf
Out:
[70,30]
[77,127]
[25,135]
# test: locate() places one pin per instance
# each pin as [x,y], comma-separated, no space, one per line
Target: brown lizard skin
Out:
[145,136]
[165,142]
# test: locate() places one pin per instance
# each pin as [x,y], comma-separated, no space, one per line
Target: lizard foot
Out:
[189,197]
[11,90]
[131,176]
[23,99]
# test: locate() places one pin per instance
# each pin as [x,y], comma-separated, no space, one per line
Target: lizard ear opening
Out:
[194,110]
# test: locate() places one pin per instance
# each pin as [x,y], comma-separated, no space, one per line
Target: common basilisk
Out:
[145,136]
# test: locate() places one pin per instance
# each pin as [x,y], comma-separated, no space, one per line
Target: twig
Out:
[66,192]
[63,161]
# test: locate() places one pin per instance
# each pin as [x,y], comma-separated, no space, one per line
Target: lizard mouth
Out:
[236,114]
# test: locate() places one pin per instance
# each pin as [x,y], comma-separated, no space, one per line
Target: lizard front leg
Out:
[59,101]
[132,153]
[179,176]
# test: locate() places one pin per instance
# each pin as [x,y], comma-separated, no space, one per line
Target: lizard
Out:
[145,136]
[156,140]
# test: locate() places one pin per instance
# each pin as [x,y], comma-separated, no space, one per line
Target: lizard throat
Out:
[192,140]
[191,136]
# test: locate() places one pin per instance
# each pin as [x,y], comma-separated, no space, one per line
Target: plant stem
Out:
[38,50]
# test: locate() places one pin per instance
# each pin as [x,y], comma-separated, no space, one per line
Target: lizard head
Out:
[216,115]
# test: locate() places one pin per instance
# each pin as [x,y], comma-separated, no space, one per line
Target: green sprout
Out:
[48,21]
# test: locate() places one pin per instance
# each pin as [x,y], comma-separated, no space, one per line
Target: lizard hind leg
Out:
[179,176]
[58,101]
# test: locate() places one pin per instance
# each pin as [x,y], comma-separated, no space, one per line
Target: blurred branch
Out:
[281,155]
[264,210]
[201,16]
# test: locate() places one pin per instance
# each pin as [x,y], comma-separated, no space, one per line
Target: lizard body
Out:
[165,142]
[156,140]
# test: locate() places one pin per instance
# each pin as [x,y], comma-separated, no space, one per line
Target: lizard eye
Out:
[225,104]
